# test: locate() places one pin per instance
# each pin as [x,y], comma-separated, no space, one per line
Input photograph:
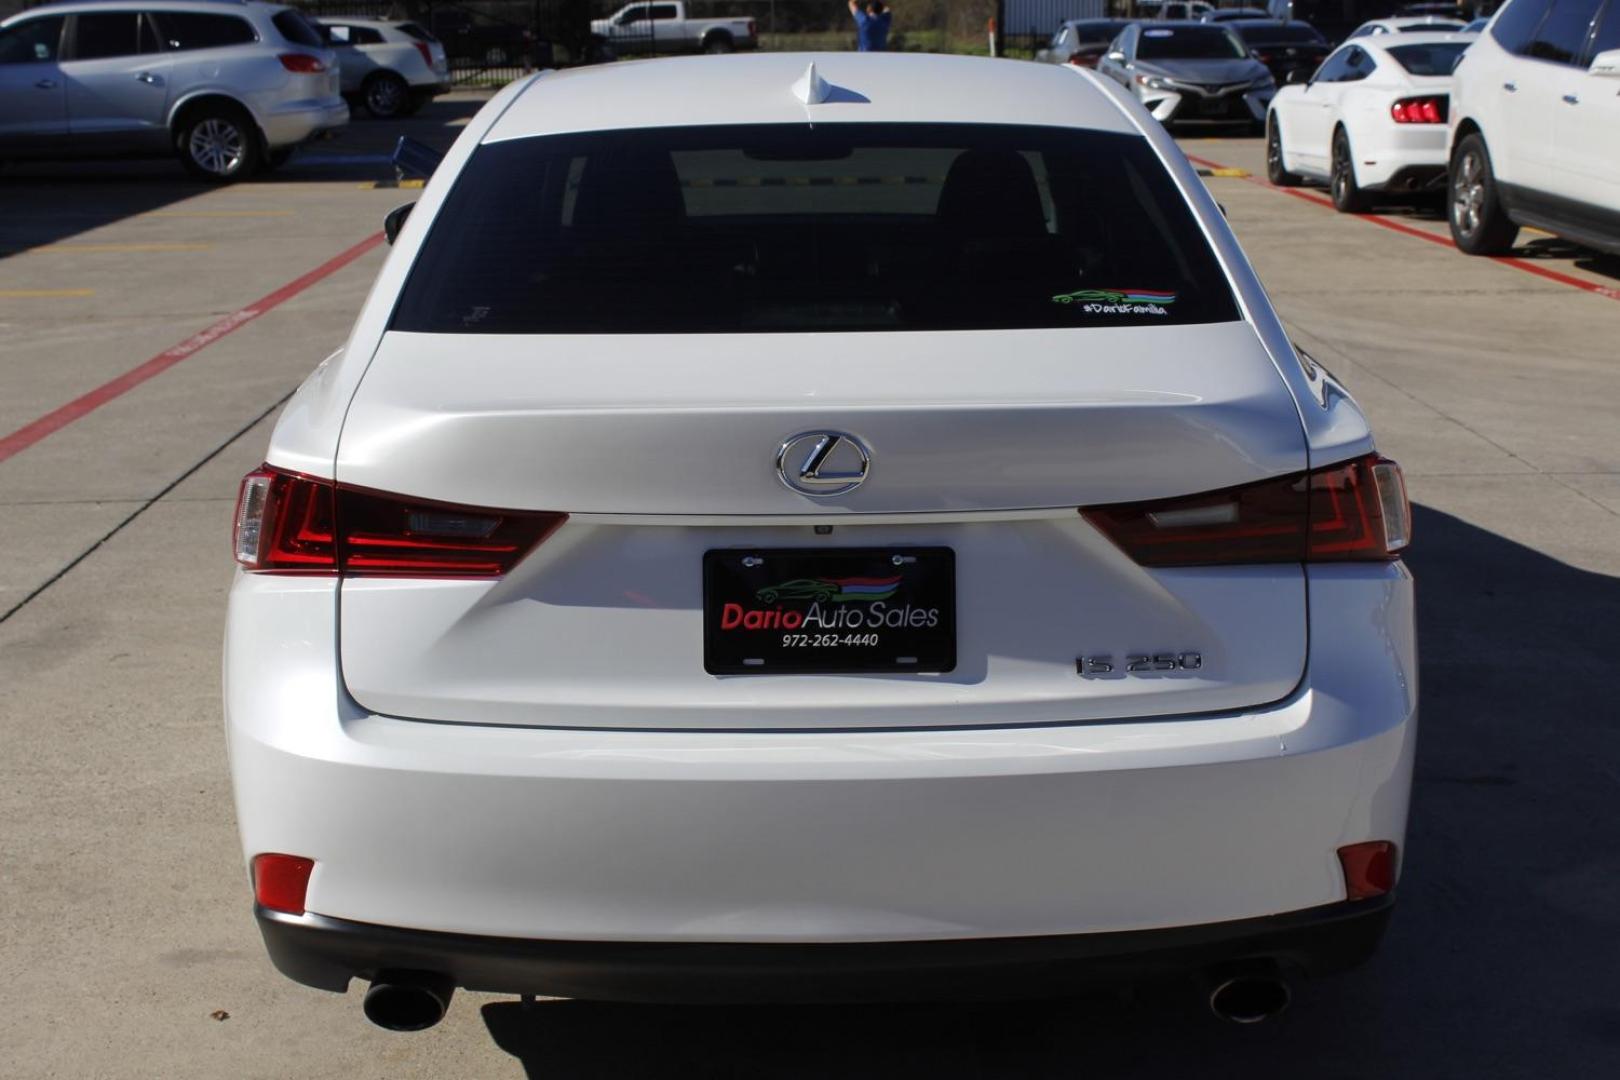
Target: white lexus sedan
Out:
[1371,119]
[781,530]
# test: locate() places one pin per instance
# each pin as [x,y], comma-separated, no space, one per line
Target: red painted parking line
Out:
[1433,238]
[89,402]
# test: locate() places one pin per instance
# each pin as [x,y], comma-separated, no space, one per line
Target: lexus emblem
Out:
[823,463]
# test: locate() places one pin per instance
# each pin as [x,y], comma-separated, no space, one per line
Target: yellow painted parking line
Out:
[373,185]
[218,213]
[96,249]
[1231,174]
[44,294]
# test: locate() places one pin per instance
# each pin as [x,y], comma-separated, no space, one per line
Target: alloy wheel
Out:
[1468,193]
[385,96]
[216,145]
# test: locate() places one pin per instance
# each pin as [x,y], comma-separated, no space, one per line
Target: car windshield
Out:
[1211,42]
[1280,35]
[792,228]
[1437,59]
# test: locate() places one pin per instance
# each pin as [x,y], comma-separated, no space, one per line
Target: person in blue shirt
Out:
[871,25]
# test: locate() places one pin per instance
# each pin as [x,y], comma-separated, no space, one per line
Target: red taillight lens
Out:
[1355,510]
[280,882]
[302,63]
[289,523]
[1369,869]
[1421,110]
[427,54]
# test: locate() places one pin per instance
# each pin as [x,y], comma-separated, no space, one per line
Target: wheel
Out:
[1275,172]
[385,95]
[219,144]
[718,43]
[1347,197]
[1479,226]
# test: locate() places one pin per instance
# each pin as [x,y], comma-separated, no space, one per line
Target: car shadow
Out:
[1503,959]
[48,202]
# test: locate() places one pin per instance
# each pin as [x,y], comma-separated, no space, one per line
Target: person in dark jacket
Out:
[871,25]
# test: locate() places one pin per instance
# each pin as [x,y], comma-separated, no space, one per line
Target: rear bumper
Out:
[301,121]
[835,836]
[1393,157]
[327,953]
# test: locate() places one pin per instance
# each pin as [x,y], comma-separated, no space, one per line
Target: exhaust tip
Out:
[408,1000]
[1249,999]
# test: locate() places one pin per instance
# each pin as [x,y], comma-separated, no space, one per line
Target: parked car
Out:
[664,28]
[506,708]
[1535,127]
[475,40]
[1407,24]
[1190,71]
[1371,119]
[1234,14]
[392,67]
[227,87]
[1081,41]
[1285,48]
[1334,18]
[1173,9]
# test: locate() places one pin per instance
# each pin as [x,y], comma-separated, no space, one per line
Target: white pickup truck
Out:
[664,28]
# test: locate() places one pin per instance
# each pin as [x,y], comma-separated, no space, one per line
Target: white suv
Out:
[785,530]
[392,67]
[1535,127]
[229,87]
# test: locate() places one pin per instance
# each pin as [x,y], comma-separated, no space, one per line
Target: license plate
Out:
[829,611]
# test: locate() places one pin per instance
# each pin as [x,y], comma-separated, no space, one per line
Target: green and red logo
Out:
[815,590]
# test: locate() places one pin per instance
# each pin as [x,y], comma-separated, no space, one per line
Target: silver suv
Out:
[230,86]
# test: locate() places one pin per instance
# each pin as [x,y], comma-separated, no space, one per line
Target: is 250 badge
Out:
[1137,663]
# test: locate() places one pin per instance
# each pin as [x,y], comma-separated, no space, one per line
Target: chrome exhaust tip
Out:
[1249,999]
[408,1000]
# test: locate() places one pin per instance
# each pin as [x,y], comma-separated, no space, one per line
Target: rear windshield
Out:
[1429,59]
[789,228]
[1097,33]
[1430,27]
[416,32]
[1212,42]
[1281,35]
[297,29]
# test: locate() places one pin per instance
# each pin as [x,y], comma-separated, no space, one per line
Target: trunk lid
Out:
[663,448]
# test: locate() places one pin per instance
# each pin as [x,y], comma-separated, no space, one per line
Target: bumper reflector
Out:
[280,881]
[1369,869]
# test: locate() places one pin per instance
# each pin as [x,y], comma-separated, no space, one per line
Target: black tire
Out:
[718,43]
[1275,172]
[1479,225]
[386,95]
[1348,198]
[219,144]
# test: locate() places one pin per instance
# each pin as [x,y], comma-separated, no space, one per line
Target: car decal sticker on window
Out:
[1118,301]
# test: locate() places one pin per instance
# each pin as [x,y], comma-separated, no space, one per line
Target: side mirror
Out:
[395,221]
[1606,63]
[1296,77]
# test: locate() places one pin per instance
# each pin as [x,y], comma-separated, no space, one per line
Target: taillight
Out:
[290,523]
[1356,510]
[751,32]
[1419,110]
[427,54]
[280,882]
[301,63]
[1369,869]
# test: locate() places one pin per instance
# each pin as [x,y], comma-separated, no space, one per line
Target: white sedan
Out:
[1407,24]
[795,527]
[1372,118]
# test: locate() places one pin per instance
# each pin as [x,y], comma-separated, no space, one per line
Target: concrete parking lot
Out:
[151,329]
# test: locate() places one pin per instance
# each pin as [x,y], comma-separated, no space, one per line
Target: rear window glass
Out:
[1281,35]
[416,32]
[792,228]
[297,29]
[1429,59]
[1211,42]
[195,30]
[1098,33]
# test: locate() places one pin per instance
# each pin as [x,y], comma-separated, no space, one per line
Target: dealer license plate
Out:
[829,611]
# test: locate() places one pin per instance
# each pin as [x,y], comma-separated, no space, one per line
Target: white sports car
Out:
[1371,118]
[781,529]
